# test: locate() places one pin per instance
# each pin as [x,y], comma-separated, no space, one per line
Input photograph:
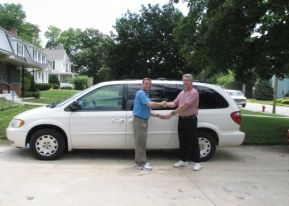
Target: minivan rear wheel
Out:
[207,145]
[47,144]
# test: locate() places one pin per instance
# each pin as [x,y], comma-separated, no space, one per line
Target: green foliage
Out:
[54,86]
[79,82]
[66,87]
[282,100]
[52,34]
[263,90]
[228,81]
[219,35]
[12,15]
[53,79]
[90,58]
[43,86]
[264,131]
[28,85]
[144,44]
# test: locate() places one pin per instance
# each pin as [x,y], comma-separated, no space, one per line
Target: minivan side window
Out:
[157,93]
[209,98]
[106,98]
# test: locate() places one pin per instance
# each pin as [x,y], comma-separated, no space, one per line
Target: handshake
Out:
[164,104]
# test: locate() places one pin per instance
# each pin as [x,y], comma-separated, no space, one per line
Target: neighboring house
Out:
[282,88]
[17,54]
[60,65]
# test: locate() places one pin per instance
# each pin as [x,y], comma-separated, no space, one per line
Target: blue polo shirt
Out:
[140,107]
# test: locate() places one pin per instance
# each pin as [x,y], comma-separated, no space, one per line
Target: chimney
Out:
[13,30]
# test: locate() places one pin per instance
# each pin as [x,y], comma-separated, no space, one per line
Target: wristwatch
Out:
[173,113]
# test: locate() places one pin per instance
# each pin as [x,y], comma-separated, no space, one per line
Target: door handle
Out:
[118,121]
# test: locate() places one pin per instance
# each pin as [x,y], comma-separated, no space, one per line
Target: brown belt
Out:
[188,117]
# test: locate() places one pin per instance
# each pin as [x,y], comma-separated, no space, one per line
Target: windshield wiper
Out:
[54,104]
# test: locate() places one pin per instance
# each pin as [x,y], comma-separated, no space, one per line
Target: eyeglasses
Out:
[187,80]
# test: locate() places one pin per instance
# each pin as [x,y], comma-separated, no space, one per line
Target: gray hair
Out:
[188,76]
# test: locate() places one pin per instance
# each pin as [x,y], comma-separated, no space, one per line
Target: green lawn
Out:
[260,128]
[50,96]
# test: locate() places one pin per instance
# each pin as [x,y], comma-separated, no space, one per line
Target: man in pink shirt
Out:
[187,103]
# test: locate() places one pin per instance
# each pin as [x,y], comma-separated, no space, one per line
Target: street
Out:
[241,175]
[268,108]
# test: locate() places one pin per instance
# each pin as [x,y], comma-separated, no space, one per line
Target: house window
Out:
[34,55]
[282,90]
[43,59]
[39,57]
[66,67]
[52,65]
[20,50]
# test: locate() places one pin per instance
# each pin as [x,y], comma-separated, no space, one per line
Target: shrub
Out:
[43,86]
[279,100]
[285,101]
[53,79]
[66,87]
[54,86]
[264,90]
[79,82]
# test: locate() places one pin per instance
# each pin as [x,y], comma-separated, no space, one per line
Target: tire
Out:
[47,144]
[243,105]
[207,145]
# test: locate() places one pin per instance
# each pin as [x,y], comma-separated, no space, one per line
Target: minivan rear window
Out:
[209,98]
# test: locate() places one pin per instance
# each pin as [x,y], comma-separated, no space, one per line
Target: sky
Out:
[83,14]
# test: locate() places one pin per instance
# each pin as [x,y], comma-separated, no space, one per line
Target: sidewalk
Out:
[33,103]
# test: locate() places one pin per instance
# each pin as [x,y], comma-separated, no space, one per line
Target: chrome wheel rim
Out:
[46,145]
[205,147]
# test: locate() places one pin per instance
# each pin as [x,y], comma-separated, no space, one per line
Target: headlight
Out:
[16,123]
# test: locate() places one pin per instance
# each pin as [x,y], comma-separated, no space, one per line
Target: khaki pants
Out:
[140,128]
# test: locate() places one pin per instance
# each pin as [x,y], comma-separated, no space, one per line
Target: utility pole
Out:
[275,94]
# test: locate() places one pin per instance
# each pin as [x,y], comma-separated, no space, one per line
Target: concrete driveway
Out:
[242,175]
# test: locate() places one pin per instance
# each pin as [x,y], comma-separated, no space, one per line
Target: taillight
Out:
[288,134]
[236,117]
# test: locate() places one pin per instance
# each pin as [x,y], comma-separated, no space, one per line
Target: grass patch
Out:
[268,130]
[50,96]
[248,112]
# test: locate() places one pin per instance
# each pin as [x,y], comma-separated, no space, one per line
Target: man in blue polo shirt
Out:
[142,112]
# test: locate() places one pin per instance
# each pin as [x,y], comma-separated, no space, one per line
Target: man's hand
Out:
[168,116]
[164,104]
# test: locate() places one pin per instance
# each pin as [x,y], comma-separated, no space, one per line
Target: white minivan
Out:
[100,117]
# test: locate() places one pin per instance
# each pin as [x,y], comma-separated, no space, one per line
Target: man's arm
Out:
[157,104]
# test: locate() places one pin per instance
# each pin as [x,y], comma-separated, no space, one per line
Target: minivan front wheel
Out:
[207,145]
[47,144]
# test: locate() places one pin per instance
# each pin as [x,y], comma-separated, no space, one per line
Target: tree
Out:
[52,34]
[12,16]
[263,90]
[220,35]
[70,39]
[144,44]
[89,58]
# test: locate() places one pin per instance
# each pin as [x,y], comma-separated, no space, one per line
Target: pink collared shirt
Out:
[189,97]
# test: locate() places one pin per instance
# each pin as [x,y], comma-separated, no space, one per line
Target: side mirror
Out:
[74,106]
